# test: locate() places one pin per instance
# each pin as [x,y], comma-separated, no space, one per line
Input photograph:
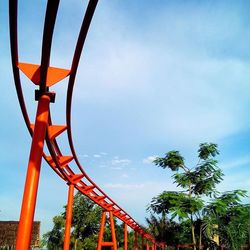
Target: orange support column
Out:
[102,225]
[142,242]
[66,243]
[112,225]
[136,241]
[113,243]
[32,176]
[153,246]
[125,237]
[147,246]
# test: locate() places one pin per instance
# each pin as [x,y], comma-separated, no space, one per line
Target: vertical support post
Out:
[125,237]
[102,225]
[154,246]
[112,225]
[142,242]
[66,243]
[147,245]
[113,243]
[32,177]
[136,240]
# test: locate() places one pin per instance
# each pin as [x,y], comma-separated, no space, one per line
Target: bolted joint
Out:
[39,93]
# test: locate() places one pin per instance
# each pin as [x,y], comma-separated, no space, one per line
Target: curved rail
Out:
[57,161]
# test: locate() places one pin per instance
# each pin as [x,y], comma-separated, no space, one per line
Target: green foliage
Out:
[177,204]
[231,216]
[207,150]
[85,227]
[168,231]
[205,177]
[54,238]
[86,217]
[223,215]
[172,160]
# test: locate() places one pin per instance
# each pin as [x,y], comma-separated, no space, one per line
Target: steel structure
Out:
[45,131]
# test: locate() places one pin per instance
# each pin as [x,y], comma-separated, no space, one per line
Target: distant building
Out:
[8,232]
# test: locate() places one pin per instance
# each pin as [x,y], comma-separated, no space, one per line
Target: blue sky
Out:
[154,76]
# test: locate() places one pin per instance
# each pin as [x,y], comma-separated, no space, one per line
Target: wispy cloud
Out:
[116,168]
[97,156]
[121,162]
[124,186]
[83,156]
[149,159]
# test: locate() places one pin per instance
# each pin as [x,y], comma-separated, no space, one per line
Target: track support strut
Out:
[33,174]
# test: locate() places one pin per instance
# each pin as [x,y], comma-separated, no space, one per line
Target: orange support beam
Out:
[136,241]
[142,242]
[32,176]
[66,243]
[113,243]
[125,237]
[112,225]
[147,246]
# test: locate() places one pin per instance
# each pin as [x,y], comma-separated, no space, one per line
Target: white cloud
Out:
[83,156]
[97,156]
[116,168]
[103,153]
[124,186]
[149,159]
[121,162]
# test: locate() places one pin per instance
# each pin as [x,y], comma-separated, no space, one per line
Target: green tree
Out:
[166,230]
[196,182]
[232,218]
[54,238]
[85,221]
[85,226]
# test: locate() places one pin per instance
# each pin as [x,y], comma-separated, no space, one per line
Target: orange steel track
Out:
[45,76]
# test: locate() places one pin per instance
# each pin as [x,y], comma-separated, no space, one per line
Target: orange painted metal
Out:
[55,130]
[112,225]
[136,241]
[101,232]
[33,174]
[147,246]
[112,243]
[66,243]
[44,76]
[54,75]
[125,237]
[142,242]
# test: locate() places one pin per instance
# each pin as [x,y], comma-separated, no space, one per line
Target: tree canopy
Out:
[222,214]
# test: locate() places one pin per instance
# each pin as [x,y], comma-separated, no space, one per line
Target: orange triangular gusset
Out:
[77,177]
[32,71]
[50,161]
[88,189]
[64,160]
[55,130]
[100,198]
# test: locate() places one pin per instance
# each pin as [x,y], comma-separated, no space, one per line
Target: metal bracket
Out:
[39,93]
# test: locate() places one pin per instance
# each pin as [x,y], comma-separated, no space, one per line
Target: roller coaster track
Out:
[45,76]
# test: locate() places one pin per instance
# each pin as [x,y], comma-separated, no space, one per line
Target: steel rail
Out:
[81,181]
